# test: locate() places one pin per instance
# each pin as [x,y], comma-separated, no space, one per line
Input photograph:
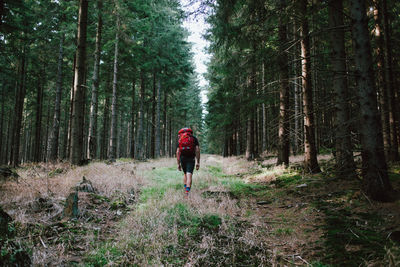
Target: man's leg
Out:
[189,174]
[189,179]
[184,179]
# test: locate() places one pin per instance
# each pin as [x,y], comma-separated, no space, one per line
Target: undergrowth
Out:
[239,213]
[167,229]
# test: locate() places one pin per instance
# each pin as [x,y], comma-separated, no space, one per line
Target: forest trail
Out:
[239,213]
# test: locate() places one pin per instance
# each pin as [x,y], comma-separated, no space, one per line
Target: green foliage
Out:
[55,172]
[288,179]
[190,223]
[283,231]
[103,255]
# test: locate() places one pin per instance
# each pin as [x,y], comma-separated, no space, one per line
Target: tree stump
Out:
[85,186]
[71,209]
[4,220]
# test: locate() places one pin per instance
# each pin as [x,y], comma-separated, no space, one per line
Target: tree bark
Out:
[52,151]
[283,132]
[393,108]
[9,139]
[64,154]
[79,88]
[113,136]
[153,117]
[92,141]
[38,122]
[165,122]
[310,151]
[19,107]
[106,119]
[345,166]
[382,89]
[374,169]
[44,154]
[71,101]
[133,115]
[140,145]
[3,96]
[250,123]
[158,117]
[264,110]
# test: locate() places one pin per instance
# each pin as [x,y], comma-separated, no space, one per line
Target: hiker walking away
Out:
[187,151]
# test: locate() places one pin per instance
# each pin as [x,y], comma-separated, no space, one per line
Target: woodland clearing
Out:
[239,213]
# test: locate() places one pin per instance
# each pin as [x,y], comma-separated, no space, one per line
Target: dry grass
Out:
[172,230]
[219,229]
[36,204]
[236,165]
[36,182]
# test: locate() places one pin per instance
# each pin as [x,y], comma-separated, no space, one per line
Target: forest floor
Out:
[239,213]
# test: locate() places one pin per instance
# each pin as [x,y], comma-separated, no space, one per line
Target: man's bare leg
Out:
[184,180]
[189,179]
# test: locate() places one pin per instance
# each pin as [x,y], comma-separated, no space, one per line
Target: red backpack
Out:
[186,142]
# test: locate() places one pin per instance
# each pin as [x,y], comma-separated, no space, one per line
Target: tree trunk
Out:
[148,127]
[250,138]
[7,158]
[44,154]
[264,110]
[393,108]
[297,93]
[106,120]
[113,136]
[71,101]
[310,151]
[382,89]
[64,154]
[92,142]
[250,134]
[19,107]
[158,117]
[78,109]
[140,145]
[153,117]
[52,151]
[169,145]
[283,133]
[345,166]
[1,11]
[374,169]
[3,96]
[133,114]
[38,122]
[164,140]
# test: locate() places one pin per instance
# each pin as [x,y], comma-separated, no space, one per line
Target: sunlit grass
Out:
[166,229]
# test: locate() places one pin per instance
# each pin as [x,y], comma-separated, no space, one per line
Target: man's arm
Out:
[178,160]
[197,157]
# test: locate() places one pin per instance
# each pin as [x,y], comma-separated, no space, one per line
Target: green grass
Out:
[288,179]
[240,188]
[103,255]
[283,231]
[163,179]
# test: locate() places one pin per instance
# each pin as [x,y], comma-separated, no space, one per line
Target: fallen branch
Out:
[354,233]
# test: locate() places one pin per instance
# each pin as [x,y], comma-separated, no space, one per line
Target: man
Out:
[187,151]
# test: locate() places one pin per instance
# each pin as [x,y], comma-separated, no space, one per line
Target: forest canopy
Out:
[94,79]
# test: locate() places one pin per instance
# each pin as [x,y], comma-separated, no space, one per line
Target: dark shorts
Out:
[187,164]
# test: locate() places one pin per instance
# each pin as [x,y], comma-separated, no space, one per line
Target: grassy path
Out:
[239,213]
[206,229]
[244,214]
